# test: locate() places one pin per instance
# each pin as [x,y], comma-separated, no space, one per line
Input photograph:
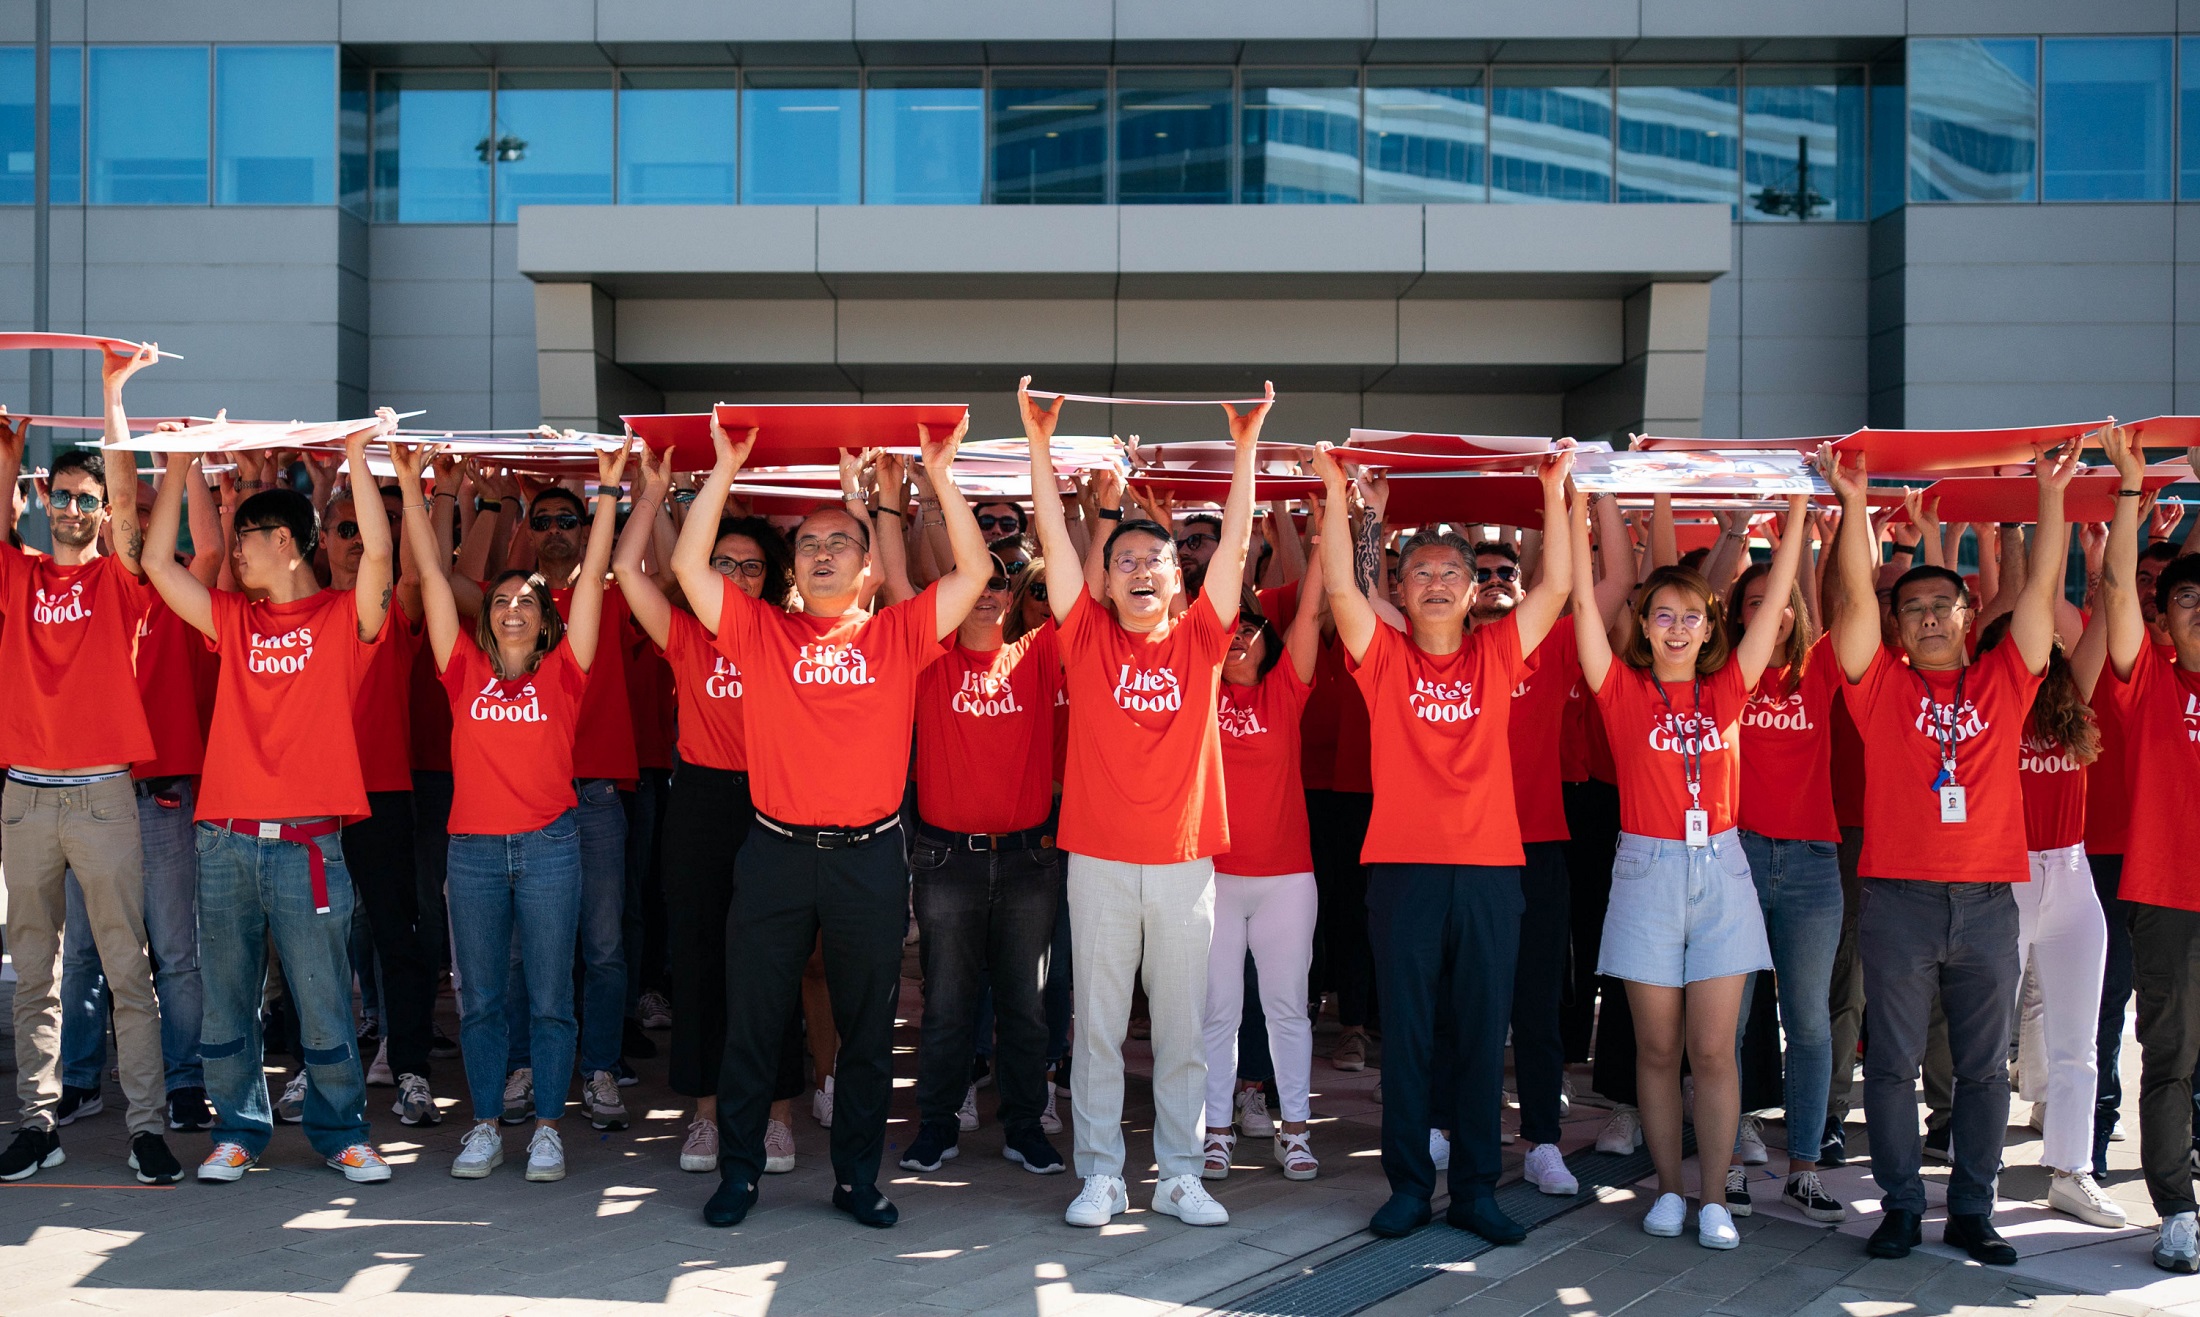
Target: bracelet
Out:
[1108,514]
[410,506]
[893,512]
[489,504]
[2131,493]
[1905,550]
[610,491]
[443,493]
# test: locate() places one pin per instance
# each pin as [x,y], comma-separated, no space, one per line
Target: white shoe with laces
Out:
[1715,1228]
[2177,1244]
[290,1108]
[1439,1150]
[1253,1120]
[778,1148]
[1050,1121]
[966,1115]
[699,1150]
[546,1154]
[1667,1216]
[415,1104]
[1186,1199]
[1097,1203]
[1546,1170]
[1749,1141]
[821,1103]
[481,1153]
[2081,1196]
[1622,1132]
[601,1103]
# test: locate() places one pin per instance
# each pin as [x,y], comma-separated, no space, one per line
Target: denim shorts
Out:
[1681,914]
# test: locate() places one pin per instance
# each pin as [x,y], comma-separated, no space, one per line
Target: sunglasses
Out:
[1197,539]
[996,583]
[753,568]
[1508,575]
[1039,592]
[988,521]
[87,504]
[561,520]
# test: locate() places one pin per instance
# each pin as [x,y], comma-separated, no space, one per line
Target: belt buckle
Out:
[991,841]
[271,832]
[831,840]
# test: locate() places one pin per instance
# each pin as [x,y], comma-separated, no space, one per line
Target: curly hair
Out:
[2060,715]
[1712,656]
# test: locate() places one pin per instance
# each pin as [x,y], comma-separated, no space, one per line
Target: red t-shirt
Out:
[1442,755]
[381,714]
[985,735]
[65,651]
[604,746]
[281,745]
[649,693]
[2054,794]
[1260,762]
[2161,710]
[1787,752]
[1848,767]
[175,676]
[1903,834]
[1144,778]
[829,704]
[1538,713]
[511,741]
[713,732]
[430,711]
[2108,804]
[1653,735]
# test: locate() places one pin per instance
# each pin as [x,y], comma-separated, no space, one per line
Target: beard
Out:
[76,538]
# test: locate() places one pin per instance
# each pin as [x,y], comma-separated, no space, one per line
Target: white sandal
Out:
[1216,1162]
[1295,1156]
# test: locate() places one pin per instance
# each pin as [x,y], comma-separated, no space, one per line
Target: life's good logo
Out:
[281,655]
[1148,691]
[725,679]
[831,665]
[2192,718]
[1777,715]
[55,609]
[1443,701]
[2038,756]
[496,705]
[1964,722]
[985,695]
[1686,734]
[1239,720]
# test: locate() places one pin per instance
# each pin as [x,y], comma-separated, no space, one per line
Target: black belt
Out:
[830,839]
[163,787]
[1030,839]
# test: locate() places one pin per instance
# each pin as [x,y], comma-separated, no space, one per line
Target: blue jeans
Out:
[525,891]
[602,819]
[172,935]
[1799,890]
[252,890]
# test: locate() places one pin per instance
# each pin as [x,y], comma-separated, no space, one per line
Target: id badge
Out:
[1696,827]
[1952,808]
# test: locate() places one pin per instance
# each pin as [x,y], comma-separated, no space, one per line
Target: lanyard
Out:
[1691,759]
[1942,731]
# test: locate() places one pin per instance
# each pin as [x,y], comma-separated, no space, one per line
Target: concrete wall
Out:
[1788,333]
[453,326]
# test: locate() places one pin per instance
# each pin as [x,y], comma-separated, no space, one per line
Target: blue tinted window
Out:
[2188,108]
[1050,137]
[275,125]
[1889,125]
[677,139]
[801,139]
[1974,119]
[431,148]
[1172,137]
[1803,144]
[65,132]
[1679,135]
[924,139]
[1427,136]
[553,144]
[2106,106]
[351,139]
[148,125]
[1301,134]
[1551,135]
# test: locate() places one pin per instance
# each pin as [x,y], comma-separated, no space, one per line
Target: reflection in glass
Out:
[1050,137]
[1679,135]
[351,138]
[1427,136]
[801,140]
[1172,137]
[1551,135]
[924,139]
[65,126]
[2106,103]
[431,148]
[1974,119]
[1803,144]
[553,143]
[1301,136]
[148,125]
[1889,132]
[677,138]
[275,125]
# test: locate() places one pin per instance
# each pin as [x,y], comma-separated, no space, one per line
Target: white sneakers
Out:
[1186,1199]
[966,1115]
[1050,1121]
[1439,1150]
[1667,1216]
[545,1155]
[1546,1170]
[378,1070]
[2176,1245]
[2081,1196]
[481,1153]
[1098,1202]
[778,1148]
[1749,1141]
[699,1150]
[1715,1227]
[821,1103]
[1622,1133]
[1253,1120]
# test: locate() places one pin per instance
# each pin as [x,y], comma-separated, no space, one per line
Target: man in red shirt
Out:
[2159,699]
[1943,839]
[281,779]
[830,694]
[70,727]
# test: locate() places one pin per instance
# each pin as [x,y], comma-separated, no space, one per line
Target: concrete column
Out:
[583,386]
[1658,386]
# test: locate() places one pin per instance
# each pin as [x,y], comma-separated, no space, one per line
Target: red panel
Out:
[1896,452]
[796,434]
[25,342]
[2090,498]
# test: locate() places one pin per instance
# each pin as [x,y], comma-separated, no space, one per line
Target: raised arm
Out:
[959,590]
[377,581]
[1856,627]
[1355,617]
[186,596]
[1224,586]
[1065,567]
[888,538]
[584,615]
[1615,558]
[1763,631]
[209,550]
[1302,642]
[2032,622]
[1665,548]
[437,608]
[1540,607]
[115,370]
[2127,628]
[1284,534]
[1590,636]
[644,596]
[691,552]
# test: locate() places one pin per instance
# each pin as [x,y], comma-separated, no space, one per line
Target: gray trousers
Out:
[1959,940]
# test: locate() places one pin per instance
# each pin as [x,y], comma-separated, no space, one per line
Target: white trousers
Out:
[1274,917]
[2062,941]
[1129,922]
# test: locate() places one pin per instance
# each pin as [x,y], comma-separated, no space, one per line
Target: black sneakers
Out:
[188,1110]
[935,1143]
[35,1149]
[1737,1192]
[440,1045]
[150,1158]
[77,1103]
[1027,1146]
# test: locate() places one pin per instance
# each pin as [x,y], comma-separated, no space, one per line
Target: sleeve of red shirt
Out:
[1368,668]
[917,626]
[1726,694]
[1504,638]
[463,672]
[228,610]
[739,621]
[1213,637]
[1280,604]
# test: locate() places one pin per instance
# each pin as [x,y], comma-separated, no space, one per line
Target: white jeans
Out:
[1132,922]
[1275,918]
[2062,940]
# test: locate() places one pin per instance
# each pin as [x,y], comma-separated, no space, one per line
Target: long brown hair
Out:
[1713,655]
[1033,574]
[1800,638]
[2060,715]
[553,625]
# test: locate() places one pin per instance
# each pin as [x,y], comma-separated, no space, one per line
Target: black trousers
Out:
[1592,817]
[378,850]
[1539,985]
[1451,929]
[2165,965]
[786,893]
[1336,824]
[643,932]
[431,858]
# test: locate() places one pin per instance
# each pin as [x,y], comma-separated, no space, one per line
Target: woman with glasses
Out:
[1683,930]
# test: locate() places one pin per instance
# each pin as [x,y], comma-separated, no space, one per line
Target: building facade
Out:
[1720,217]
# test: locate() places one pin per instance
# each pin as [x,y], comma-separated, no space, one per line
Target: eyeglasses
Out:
[1039,592]
[753,568]
[1128,564]
[1198,539]
[991,521]
[87,504]
[1916,610]
[561,520]
[1508,575]
[2187,599]
[254,530]
[810,546]
[1666,619]
[996,583]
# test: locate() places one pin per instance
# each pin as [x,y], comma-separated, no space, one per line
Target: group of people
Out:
[629,752]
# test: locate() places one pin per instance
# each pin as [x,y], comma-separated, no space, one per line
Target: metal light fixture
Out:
[1804,202]
[504,150]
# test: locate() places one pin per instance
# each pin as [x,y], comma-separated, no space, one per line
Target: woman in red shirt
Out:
[515,684]
[1683,928]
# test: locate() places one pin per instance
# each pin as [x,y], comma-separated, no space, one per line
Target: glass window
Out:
[275,125]
[1889,119]
[1301,133]
[677,138]
[148,125]
[1172,136]
[1050,136]
[801,140]
[65,133]
[1803,144]
[1551,135]
[1679,135]
[553,144]
[1427,135]
[1974,119]
[2106,111]
[431,148]
[2188,107]
[924,139]
[351,138]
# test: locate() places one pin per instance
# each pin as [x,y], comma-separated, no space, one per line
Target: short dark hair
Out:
[1137,526]
[2159,551]
[1498,547]
[1249,610]
[2183,571]
[1436,537]
[1207,517]
[1927,572]
[559,491]
[1009,503]
[287,508]
[90,461]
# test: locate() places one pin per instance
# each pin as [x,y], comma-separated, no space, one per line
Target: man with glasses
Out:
[1196,541]
[1000,521]
[70,727]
